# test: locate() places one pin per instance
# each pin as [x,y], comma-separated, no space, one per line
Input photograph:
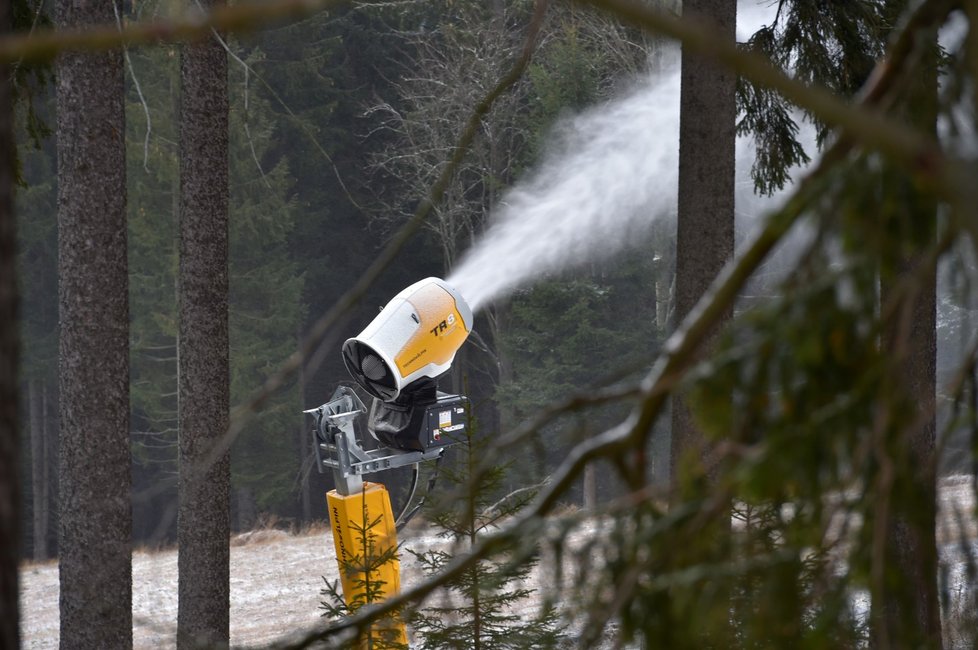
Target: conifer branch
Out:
[867,122]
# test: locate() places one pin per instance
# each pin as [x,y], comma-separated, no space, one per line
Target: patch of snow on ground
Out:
[276,581]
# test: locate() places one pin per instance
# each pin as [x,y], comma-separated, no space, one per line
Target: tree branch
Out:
[866,122]
[44,45]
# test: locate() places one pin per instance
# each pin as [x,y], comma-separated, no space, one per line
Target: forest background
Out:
[330,150]
[339,125]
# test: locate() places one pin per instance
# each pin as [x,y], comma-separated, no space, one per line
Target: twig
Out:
[139,90]
[44,45]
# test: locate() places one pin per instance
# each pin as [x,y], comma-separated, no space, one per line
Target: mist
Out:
[609,174]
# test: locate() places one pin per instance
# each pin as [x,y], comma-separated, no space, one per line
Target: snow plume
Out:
[608,174]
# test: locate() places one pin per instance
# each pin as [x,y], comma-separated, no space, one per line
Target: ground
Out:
[276,579]
[275,582]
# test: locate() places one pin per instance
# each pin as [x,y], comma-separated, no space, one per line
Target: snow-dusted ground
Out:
[275,583]
[276,580]
[274,589]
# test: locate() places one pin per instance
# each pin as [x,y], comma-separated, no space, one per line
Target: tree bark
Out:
[907,612]
[39,474]
[705,228]
[203,617]
[50,426]
[304,450]
[96,515]
[9,357]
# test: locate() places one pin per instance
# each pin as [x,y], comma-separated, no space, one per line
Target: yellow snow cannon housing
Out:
[414,339]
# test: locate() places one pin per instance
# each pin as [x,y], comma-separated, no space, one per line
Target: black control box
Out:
[445,421]
[437,420]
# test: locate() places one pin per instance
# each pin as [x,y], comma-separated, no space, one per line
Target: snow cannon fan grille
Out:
[369,370]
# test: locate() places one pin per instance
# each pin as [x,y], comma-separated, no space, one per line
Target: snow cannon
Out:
[411,342]
[397,358]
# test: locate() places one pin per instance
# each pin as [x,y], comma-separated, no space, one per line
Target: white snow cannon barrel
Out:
[411,342]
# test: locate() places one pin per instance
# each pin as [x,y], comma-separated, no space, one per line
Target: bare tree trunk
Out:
[906,606]
[590,487]
[704,243]
[305,499]
[247,512]
[39,463]
[96,515]
[203,534]
[50,426]
[9,353]
[705,229]
[907,612]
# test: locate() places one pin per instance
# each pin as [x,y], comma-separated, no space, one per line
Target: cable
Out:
[400,521]
[403,518]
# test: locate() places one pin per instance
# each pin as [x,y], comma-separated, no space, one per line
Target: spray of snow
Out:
[609,173]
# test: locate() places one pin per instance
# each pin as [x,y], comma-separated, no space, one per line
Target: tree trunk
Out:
[590,488]
[704,243]
[203,617]
[9,352]
[39,473]
[304,450]
[907,612]
[96,515]
[906,607]
[705,229]
[50,426]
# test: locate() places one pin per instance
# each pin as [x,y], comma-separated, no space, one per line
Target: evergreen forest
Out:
[720,418]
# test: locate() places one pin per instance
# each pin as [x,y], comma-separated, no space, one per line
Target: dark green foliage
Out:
[800,371]
[154,186]
[815,426]
[834,44]
[30,81]
[266,290]
[36,210]
[265,283]
[568,337]
[318,79]
[768,117]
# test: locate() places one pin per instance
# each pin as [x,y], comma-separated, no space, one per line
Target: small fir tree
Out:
[483,608]
[366,568]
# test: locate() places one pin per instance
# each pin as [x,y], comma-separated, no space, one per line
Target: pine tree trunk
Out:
[204,383]
[907,613]
[9,352]
[907,608]
[95,484]
[705,229]
[590,488]
[305,453]
[50,426]
[38,469]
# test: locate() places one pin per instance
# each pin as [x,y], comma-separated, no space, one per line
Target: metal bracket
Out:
[336,446]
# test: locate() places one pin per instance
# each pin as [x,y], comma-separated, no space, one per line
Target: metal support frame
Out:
[337,447]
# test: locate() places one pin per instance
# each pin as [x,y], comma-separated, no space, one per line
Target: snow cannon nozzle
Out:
[411,342]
